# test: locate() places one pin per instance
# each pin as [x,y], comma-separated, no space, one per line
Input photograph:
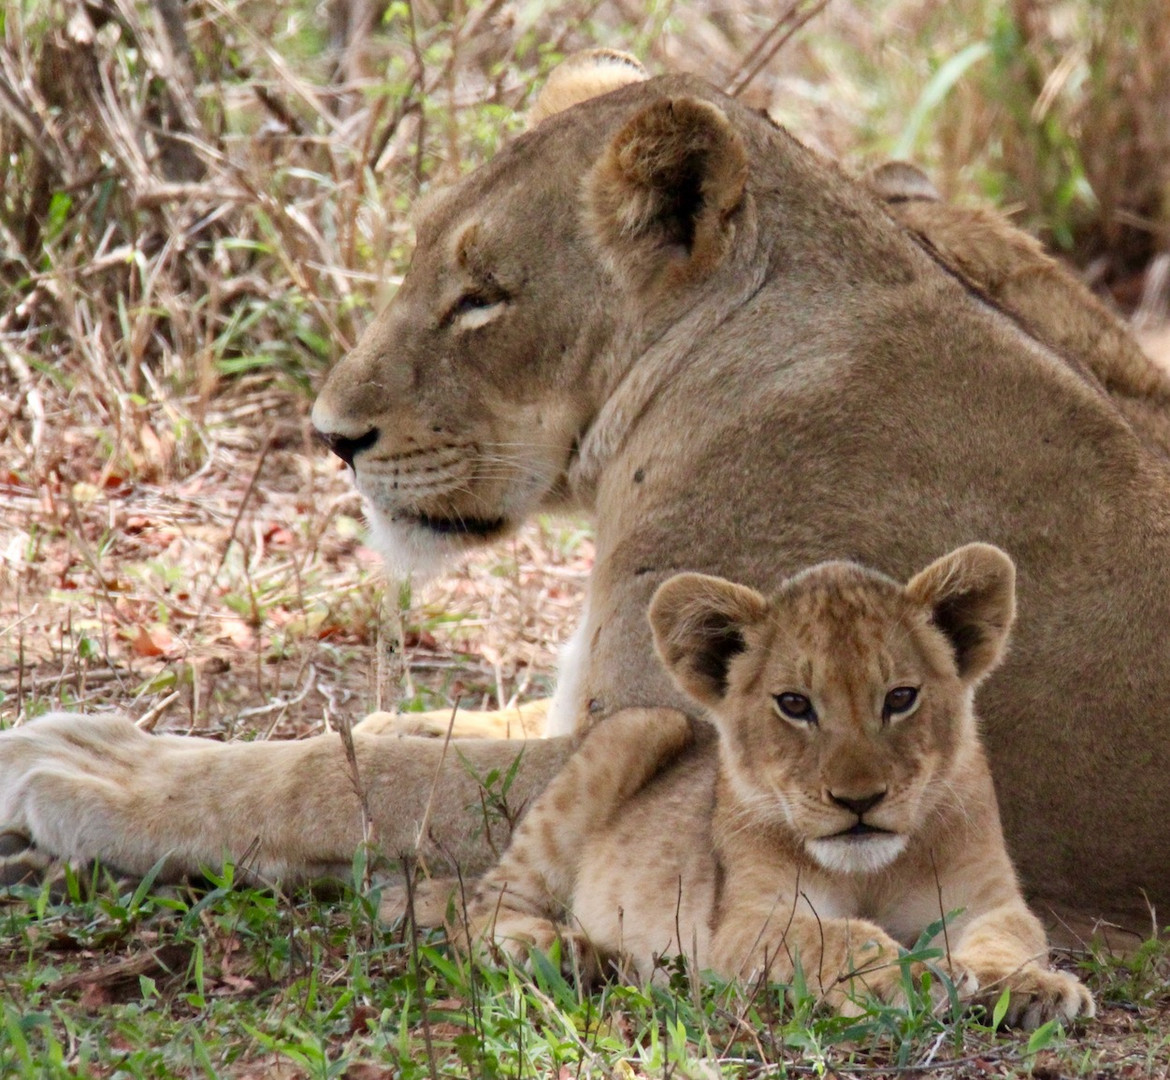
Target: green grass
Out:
[234,981]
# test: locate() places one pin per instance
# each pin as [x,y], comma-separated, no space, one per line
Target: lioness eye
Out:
[475,308]
[795,707]
[899,700]
[473,301]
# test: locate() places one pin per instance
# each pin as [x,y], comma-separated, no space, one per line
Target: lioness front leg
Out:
[1006,949]
[843,961]
[525,720]
[86,787]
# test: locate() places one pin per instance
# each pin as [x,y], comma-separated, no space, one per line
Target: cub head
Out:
[536,281]
[844,702]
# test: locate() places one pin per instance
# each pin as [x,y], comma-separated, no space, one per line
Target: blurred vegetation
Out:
[1064,110]
[191,192]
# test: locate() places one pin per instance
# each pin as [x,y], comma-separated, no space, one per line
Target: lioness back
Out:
[850,808]
[1014,271]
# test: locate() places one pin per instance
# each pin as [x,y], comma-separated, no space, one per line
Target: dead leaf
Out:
[154,641]
[362,1015]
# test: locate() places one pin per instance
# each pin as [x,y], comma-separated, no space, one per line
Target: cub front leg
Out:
[513,929]
[843,961]
[527,899]
[1006,949]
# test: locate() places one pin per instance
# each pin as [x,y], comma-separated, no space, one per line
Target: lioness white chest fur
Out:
[850,808]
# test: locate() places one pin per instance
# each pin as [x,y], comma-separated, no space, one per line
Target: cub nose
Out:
[345,447]
[859,806]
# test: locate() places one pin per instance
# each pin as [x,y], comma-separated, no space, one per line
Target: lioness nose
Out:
[859,806]
[345,447]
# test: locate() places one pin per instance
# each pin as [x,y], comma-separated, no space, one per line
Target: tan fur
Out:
[524,720]
[96,786]
[1014,271]
[736,370]
[757,878]
[583,76]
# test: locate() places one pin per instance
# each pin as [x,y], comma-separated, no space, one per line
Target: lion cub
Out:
[850,807]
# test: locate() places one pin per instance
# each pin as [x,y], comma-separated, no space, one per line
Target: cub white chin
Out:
[856,854]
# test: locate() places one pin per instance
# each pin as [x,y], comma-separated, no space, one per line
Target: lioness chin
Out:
[849,807]
[658,308]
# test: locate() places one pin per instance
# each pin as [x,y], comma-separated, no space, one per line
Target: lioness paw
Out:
[61,774]
[517,722]
[21,863]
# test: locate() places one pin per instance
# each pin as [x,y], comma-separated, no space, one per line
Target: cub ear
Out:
[698,623]
[663,193]
[582,76]
[971,596]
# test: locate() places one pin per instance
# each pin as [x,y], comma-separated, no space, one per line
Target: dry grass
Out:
[196,218]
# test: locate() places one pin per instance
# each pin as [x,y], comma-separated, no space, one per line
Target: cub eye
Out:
[899,701]
[795,707]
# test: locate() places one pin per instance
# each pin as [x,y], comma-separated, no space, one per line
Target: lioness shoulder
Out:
[850,806]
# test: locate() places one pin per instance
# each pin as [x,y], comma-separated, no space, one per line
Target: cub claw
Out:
[1037,995]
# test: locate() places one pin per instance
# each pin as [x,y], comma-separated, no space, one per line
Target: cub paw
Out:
[885,983]
[1038,995]
[869,970]
[520,941]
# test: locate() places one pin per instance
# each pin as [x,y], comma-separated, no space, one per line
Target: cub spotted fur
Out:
[849,807]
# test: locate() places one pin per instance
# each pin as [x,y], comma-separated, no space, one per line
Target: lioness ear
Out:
[663,193]
[698,623]
[582,76]
[971,595]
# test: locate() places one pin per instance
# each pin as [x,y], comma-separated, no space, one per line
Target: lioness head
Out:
[536,283]
[844,701]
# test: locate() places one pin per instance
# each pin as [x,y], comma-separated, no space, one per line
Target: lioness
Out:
[850,803]
[658,307]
